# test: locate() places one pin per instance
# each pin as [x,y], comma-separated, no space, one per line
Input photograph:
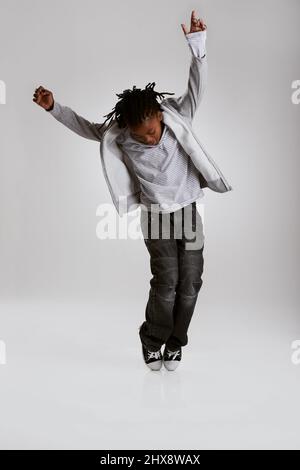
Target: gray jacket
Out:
[178,114]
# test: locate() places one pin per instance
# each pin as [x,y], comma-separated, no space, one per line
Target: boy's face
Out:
[149,132]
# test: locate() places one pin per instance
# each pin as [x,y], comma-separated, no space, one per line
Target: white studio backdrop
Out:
[51,184]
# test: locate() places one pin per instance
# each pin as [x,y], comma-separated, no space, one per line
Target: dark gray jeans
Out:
[176,261]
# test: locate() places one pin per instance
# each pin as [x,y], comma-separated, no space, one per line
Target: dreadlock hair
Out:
[135,105]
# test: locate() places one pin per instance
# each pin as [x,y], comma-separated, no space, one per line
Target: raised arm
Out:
[188,103]
[68,117]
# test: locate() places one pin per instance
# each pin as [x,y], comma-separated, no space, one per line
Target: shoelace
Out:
[154,354]
[173,353]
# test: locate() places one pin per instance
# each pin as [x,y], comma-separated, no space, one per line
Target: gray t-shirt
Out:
[167,175]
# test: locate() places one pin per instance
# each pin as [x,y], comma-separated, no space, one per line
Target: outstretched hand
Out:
[196,24]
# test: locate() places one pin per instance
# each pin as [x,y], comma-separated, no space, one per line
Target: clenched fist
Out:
[44,98]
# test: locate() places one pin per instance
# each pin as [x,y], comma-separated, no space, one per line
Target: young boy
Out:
[152,158]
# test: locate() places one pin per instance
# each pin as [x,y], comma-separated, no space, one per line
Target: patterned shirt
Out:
[167,175]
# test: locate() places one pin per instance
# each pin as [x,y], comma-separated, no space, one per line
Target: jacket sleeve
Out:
[188,103]
[76,123]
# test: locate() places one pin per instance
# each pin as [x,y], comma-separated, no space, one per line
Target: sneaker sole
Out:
[171,365]
[154,365]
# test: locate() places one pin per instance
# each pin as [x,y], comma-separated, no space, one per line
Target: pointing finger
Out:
[193,18]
